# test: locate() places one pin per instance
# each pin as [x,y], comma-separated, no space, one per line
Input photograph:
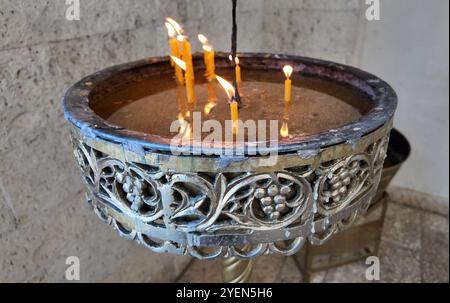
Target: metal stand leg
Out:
[237,270]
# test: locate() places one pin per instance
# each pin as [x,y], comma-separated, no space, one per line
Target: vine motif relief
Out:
[210,202]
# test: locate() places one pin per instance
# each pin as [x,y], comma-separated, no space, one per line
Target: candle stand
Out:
[211,206]
[237,270]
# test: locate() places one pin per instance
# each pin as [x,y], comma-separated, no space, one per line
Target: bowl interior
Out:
[364,102]
[148,101]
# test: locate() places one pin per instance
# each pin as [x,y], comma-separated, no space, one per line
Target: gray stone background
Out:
[42,217]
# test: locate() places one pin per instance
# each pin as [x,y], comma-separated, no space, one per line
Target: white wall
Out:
[409,48]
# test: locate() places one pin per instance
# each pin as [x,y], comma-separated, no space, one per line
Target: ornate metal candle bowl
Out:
[225,206]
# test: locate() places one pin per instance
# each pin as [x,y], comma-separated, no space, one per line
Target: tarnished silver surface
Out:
[223,206]
[186,212]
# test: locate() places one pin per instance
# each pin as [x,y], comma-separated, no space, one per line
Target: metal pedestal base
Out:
[237,270]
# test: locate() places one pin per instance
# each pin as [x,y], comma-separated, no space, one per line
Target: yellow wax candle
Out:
[237,70]
[229,89]
[287,69]
[205,58]
[187,56]
[238,73]
[234,115]
[190,90]
[189,80]
[210,65]
[208,57]
[287,90]
[174,51]
[173,43]
[189,74]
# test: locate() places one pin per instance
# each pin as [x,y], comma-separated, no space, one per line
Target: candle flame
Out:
[236,59]
[229,89]
[170,30]
[179,62]
[175,25]
[207,48]
[287,69]
[284,131]
[208,107]
[202,38]
[205,43]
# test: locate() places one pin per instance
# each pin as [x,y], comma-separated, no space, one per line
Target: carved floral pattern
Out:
[263,201]
[298,199]
[272,200]
[342,181]
[130,187]
[193,201]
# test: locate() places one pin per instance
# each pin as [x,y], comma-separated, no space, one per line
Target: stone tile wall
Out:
[42,217]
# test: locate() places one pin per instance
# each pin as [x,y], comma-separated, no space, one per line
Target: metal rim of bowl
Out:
[78,112]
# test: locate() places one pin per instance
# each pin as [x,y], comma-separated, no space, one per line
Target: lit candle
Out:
[174,51]
[234,110]
[211,69]
[208,57]
[189,71]
[189,81]
[234,115]
[186,55]
[287,69]
[187,58]
[177,27]
[284,131]
[237,71]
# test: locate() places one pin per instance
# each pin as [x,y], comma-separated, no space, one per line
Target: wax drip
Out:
[237,97]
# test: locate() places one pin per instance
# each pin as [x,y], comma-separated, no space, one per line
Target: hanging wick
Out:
[236,97]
